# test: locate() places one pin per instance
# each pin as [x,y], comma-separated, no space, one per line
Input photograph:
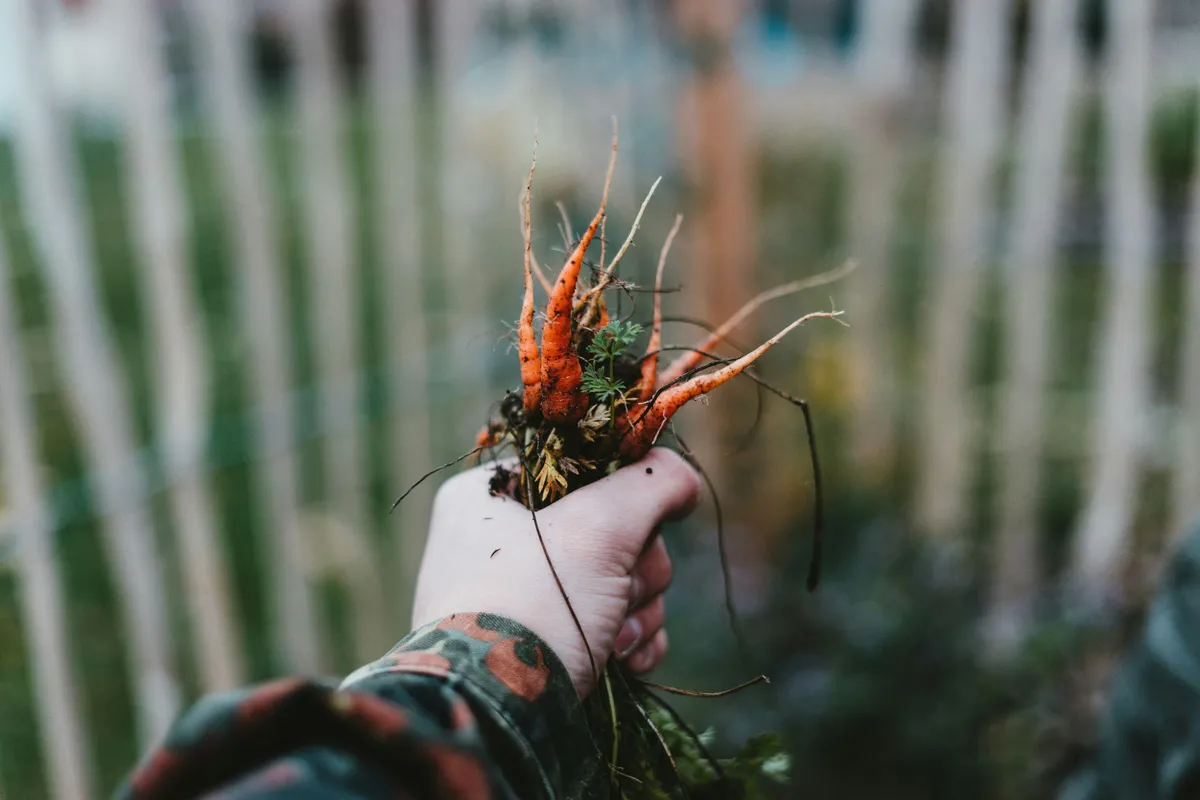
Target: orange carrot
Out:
[690,360]
[489,436]
[527,346]
[650,362]
[562,399]
[639,428]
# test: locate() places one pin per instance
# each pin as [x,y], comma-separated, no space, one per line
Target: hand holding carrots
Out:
[483,554]
[561,536]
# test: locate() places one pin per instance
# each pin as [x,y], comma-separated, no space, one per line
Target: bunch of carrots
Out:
[587,407]
[579,417]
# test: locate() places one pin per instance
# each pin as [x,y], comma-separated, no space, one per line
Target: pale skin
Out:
[483,555]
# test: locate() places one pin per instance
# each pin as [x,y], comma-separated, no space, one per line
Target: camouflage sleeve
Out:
[1149,741]
[473,706]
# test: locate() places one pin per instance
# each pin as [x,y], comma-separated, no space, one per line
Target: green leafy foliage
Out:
[614,339]
[609,343]
[761,762]
[599,386]
[762,758]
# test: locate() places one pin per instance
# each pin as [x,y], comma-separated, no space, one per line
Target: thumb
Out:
[637,498]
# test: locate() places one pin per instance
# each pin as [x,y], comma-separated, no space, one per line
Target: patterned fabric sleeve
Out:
[473,706]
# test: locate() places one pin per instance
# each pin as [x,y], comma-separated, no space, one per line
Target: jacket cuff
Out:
[512,672]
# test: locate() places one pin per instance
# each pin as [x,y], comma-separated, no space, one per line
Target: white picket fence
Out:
[716,121]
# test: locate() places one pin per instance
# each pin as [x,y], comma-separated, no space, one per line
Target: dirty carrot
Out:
[650,363]
[691,359]
[531,361]
[562,400]
[640,428]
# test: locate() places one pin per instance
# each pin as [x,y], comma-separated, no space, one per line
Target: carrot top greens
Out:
[600,380]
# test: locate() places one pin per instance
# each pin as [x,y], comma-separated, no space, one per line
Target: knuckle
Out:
[660,572]
[653,616]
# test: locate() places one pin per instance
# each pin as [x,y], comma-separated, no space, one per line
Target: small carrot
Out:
[650,362]
[527,346]
[692,359]
[562,400]
[639,428]
[489,435]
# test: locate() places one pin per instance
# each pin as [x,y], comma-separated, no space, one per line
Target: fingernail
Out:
[629,637]
[635,591]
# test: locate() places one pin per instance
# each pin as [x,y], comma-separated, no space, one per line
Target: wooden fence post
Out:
[43,603]
[1049,82]
[224,55]
[1186,501]
[972,125]
[182,396]
[1104,531]
[399,215]
[468,325]
[91,373]
[884,73]
[719,158]
[333,274]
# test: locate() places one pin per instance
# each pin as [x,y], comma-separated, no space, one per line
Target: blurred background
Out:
[259,262]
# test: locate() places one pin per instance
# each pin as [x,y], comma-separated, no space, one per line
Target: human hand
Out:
[483,554]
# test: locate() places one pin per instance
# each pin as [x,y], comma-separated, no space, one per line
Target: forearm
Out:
[473,706]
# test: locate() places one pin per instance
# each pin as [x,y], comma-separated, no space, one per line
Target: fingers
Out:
[648,656]
[651,574]
[635,499]
[640,627]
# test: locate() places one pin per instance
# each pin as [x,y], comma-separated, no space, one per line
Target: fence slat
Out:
[884,69]
[222,47]
[399,215]
[160,215]
[1186,500]
[468,318]
[972,125]
[1030,281]
[43,602]
[719,160]
[333,274]
[91,371]
[1101,540]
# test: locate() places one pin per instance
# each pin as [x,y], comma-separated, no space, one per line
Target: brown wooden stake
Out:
[719,161]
